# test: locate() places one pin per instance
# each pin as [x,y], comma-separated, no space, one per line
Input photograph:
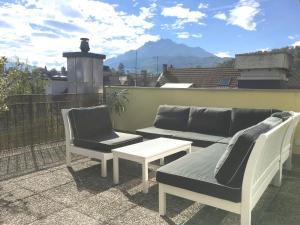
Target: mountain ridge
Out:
[165,51]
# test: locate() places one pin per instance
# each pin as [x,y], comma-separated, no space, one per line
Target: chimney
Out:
[85,70]
[263,70]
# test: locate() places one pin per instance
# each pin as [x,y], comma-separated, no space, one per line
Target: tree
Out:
[19,80]
[121,69]
[227,63]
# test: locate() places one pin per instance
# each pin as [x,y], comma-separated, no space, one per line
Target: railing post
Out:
[30,114]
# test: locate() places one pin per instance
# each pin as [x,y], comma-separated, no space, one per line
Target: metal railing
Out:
[33,126]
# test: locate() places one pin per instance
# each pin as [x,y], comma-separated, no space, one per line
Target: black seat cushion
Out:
[154,132]
[172,117]
[198,139]
[90,121]
[242,118]
[209,120]
[195,172]
[107,142]
[231,166]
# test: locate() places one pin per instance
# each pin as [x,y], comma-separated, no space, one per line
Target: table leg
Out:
[145,177]
[189,150]
[116,169]
[162,161]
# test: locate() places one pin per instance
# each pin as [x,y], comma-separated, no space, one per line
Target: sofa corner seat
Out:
[195,172]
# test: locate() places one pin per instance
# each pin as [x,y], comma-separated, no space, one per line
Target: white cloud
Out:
[220,16]
[243,14]
[182,15]
[185,35]
[223,54]
[291,37]
[263,49]
[203,6]
[41,30]
[197,35]
[297,43]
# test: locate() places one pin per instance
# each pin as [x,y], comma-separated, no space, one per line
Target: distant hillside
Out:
[167,52]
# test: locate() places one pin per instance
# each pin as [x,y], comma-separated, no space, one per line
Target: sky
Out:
[39,31]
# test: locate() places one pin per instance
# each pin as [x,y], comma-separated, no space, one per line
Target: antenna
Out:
[156,65]
[135,67]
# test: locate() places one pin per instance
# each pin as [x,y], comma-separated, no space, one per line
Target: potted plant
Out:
[116,100]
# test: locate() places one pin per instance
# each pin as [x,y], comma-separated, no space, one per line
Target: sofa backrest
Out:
[209,120]
[241,118]
[172,117]
[231,166]
[90,121]
[263,163]
[214,121]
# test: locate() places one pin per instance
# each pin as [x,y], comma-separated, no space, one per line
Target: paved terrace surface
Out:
[59,195]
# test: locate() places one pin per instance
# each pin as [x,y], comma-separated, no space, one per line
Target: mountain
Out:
[166,52]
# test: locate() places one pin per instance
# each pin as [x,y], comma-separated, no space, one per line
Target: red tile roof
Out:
[202,77]
[211,77]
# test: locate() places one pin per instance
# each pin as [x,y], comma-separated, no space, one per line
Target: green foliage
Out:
[117,100]
[227,63]
[121,69]
[18,80]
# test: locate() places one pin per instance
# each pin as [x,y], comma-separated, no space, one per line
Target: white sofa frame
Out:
[263,167]
[287,148]
[71,148]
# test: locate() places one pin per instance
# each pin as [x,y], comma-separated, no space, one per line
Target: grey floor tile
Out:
[14,215]
[7,186]
[138,215]
[43,182]
[37,205]
[68,194]
[67,217]
[14,195]
[107,205]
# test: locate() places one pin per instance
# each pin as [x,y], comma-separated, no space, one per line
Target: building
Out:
[218,77]
[252,71]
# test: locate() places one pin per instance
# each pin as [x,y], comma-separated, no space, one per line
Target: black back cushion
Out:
[282,115]
[231,166]
[209,120]
[242,118]
[90,121]
[172,117]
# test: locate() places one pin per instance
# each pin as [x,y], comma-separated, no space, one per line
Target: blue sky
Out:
[40,30]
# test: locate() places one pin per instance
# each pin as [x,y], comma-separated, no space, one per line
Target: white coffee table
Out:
[146,152]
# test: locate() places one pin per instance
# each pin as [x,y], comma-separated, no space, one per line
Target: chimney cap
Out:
[84,45]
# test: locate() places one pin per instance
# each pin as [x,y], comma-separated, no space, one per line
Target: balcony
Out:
[37,188]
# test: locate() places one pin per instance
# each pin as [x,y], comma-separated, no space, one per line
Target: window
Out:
[224,82]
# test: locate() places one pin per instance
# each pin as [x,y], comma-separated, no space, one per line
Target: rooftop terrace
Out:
[78,195]
[36,187]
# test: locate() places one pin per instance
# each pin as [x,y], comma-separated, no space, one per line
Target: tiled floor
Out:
[80,196]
